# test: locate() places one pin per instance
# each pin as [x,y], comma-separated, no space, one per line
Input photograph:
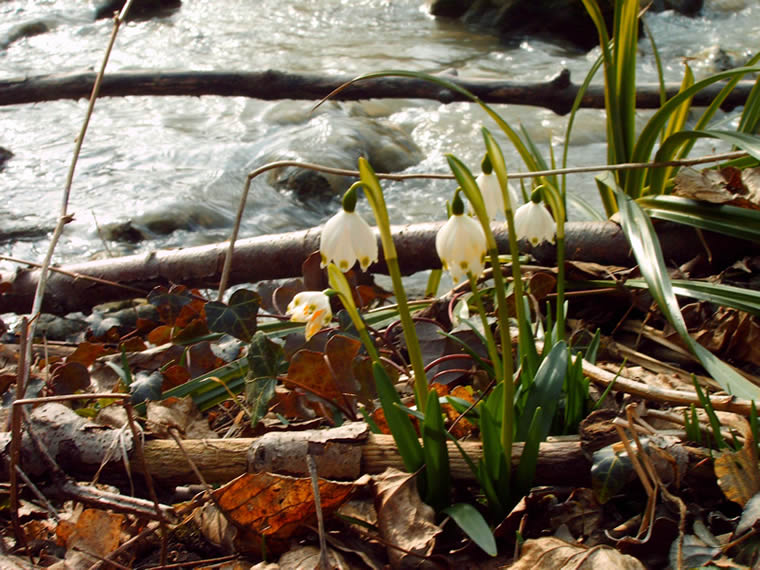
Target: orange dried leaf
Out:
[277,507]
[96,532]
[738,476]
[86,353]
[310,371]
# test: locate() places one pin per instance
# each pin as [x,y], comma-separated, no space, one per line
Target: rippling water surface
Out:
[184,159]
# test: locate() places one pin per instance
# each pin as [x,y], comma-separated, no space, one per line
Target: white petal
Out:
[534,223]
[332,237]
[345,238]
[461,245]
[306,303]
[363,241]
[490,189]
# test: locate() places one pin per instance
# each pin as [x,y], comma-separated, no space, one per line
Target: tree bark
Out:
[556,94]
[281,256]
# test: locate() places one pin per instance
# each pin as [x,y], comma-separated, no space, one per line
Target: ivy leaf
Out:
[265,360]
[146,387]
[238,317]
[610,472]
[170,302]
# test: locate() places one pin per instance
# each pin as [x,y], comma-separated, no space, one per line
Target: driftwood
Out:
[281,256]
[556,94]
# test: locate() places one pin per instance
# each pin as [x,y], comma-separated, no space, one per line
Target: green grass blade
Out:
[729,220]
[544,393]
[747,300]
[398,421]
[526,470]
[650,133]
[643,239]
[436,453]
[469,519]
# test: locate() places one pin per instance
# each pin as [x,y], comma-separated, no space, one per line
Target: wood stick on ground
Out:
[560,462]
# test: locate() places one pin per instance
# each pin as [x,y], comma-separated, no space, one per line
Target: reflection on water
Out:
[175,166]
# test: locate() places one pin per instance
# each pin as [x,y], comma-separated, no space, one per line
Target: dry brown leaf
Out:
[580,513]
[737,472]
[725,186]
[307,558]
[215,527]
[403,519]
[553,553]
[277,507]
[96,532]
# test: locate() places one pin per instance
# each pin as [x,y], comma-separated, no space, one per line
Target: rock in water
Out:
[5,156]
[140,9]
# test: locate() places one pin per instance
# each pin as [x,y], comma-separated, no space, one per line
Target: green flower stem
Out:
[507,367]
[505,372]
[554,198]
[340,285]
[560,279]
[493,353]
[375,196]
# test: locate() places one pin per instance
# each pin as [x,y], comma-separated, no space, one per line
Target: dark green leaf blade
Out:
[471,521]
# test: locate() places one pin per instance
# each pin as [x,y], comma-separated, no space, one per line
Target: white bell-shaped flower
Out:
[490,189]
[312,308]
[534,223]
[347,238]
[461,245]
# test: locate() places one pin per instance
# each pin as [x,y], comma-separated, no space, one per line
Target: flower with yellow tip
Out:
[534,222]
[461,243]
[347,238]
[312,308]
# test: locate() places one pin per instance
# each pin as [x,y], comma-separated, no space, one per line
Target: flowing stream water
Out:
[175,166]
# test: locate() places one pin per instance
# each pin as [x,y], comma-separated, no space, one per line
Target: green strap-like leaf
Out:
[436,454]
[643,239]
[733,221]
[399,423]
[469,519]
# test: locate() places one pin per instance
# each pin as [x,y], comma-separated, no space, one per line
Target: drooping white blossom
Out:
[312,308]
[345,239]
[534,223]
[461,245]
[490,189]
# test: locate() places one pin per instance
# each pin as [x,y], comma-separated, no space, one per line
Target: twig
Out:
[324,559]
[399,177]
[128,545]
[137,437]
[33,488]
[65,218]
[21,374]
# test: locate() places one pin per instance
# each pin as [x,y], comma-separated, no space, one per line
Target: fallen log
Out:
[557,94]
[220,460]
[281,256]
